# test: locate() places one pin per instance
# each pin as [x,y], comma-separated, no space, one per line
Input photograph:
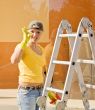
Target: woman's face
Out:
[34,35]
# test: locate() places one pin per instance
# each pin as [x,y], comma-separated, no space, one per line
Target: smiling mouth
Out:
[35,39]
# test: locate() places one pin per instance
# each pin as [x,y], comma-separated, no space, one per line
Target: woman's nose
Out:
[34,34]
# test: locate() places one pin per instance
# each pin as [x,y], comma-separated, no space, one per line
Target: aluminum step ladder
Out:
[73,64]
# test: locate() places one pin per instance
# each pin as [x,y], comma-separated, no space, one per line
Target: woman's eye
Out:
[32,31]
[38,32]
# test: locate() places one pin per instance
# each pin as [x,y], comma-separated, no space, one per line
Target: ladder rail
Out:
[73,58]
[62,26]
[52,66]
[82,86]
[92,42]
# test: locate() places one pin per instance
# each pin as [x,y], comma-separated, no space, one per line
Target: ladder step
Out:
[86,61]
[61,62]
[68,62]
[54,90]
[72,35]
[90,86]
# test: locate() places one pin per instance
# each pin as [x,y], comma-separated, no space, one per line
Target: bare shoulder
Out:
[17,48]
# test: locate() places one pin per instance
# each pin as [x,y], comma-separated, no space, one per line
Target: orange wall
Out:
[72,10]
[15,14]
[8,72]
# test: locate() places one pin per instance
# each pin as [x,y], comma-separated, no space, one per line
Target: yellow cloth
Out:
[31,66]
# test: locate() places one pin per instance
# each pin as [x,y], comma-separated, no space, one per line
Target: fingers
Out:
[24,30]
[26,37]
[26,34]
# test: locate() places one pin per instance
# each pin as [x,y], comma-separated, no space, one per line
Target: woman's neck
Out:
[36,48]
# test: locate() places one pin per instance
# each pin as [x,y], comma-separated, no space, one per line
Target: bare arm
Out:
[17,54]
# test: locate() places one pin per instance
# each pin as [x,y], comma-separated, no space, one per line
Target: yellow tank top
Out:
[31,66]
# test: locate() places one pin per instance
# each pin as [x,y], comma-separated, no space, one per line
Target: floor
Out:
[11,104]
[8,102]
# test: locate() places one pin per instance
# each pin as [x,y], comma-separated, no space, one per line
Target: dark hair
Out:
[36,25]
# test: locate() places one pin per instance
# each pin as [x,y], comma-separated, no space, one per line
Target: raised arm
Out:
[17,54]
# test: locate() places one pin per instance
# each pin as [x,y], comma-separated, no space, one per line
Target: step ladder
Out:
[73,64]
